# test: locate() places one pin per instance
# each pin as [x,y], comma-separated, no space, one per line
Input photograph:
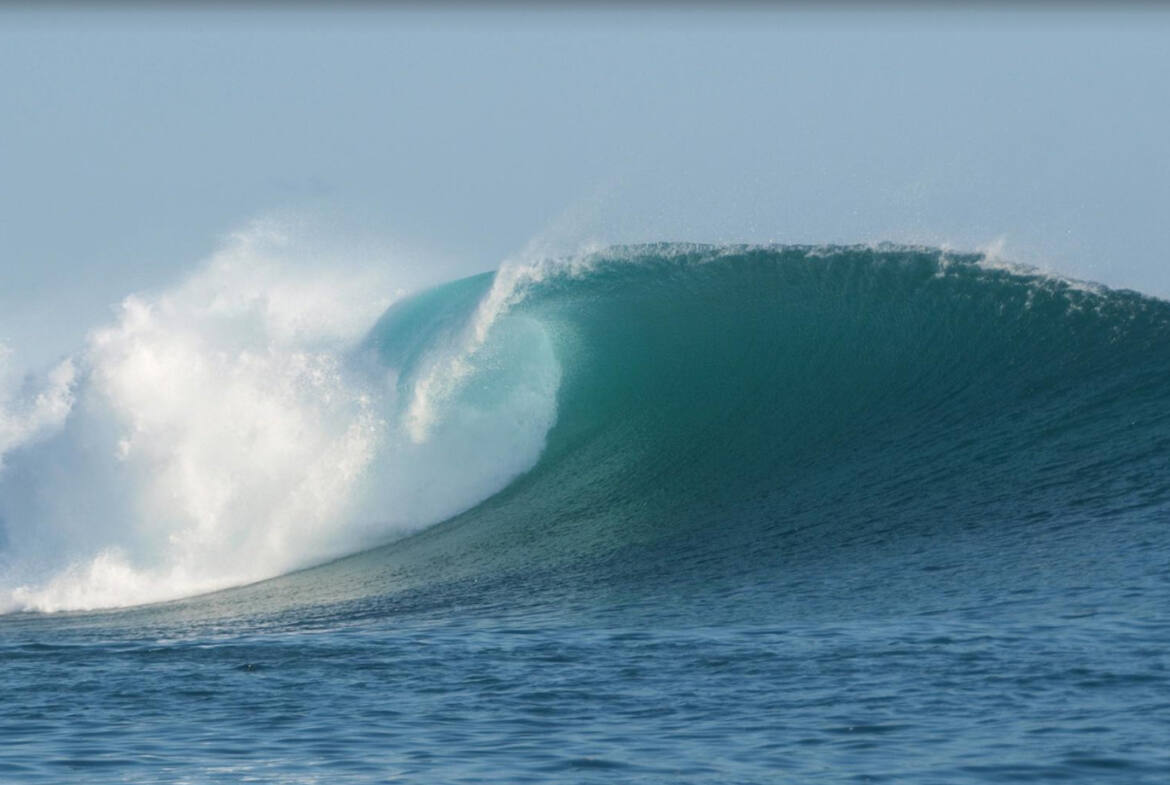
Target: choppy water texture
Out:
[802,515]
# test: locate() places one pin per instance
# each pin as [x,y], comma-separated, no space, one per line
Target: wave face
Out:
[848,431]
[653,414]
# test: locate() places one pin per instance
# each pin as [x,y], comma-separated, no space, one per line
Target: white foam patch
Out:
[215,436]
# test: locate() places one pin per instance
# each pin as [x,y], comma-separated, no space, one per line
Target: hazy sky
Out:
[133,140]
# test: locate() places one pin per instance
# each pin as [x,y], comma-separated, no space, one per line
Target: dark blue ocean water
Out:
[806,515]
[488,693]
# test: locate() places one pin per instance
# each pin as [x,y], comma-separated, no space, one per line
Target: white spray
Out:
[213,435]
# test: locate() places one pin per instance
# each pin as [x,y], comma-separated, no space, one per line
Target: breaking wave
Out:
[731,400]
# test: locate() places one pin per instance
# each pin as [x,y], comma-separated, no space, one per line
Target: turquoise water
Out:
[802,515]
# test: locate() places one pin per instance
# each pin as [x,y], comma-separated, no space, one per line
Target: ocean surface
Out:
[649,514]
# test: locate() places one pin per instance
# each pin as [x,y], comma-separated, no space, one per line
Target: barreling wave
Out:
[638,413]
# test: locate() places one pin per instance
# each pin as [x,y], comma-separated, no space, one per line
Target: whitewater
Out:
[660,513]
[232,429]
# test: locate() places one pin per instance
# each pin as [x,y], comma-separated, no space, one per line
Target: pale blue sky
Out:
[131,141]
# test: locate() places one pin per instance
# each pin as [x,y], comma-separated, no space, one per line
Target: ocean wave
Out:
[759,404]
